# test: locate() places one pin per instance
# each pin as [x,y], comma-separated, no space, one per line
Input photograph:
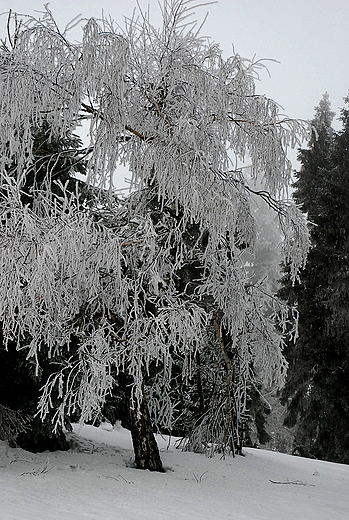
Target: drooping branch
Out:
[67,269]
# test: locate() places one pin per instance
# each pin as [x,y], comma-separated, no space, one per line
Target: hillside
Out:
[95,480]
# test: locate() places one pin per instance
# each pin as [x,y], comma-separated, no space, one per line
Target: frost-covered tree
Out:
[111,284]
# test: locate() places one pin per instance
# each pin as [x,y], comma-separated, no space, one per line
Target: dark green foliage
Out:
[258,413]
[115,407]
[19,391]
[12,424]
[57,159]
[317,388]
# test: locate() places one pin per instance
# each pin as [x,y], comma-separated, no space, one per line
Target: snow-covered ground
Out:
[96,481]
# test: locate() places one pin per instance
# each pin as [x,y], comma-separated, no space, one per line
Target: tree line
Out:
[317,388]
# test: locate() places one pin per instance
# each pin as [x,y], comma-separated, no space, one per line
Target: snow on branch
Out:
[110,283]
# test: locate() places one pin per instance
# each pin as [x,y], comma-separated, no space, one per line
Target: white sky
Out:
[310,39]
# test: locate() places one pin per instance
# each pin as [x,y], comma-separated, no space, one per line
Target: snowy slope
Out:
[96,481]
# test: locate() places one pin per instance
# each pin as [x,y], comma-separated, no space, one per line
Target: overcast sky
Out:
[309,39]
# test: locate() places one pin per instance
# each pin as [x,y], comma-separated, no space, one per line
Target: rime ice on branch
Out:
[165,102]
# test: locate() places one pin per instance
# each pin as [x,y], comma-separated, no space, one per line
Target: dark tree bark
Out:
[146,450]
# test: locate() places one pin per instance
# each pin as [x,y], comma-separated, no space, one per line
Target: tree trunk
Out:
[146,450]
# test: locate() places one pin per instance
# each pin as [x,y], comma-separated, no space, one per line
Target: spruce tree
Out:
[317,388]
[57,161]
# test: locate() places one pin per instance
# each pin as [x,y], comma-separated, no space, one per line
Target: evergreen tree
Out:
[56,161]
[317,387]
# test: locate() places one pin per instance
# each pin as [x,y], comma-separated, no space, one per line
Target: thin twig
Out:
[8,27]
[295,482]
[127,481]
